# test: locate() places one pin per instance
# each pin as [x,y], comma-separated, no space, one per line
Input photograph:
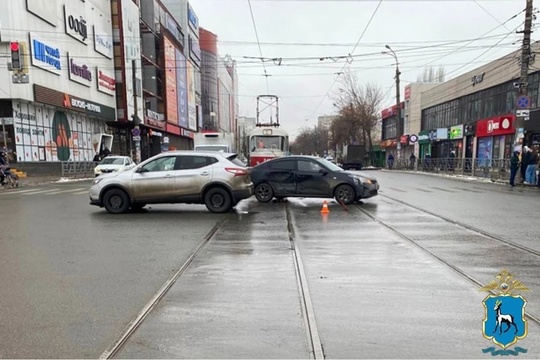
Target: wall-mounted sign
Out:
[75,23]
[103,42]
[45,54]
[477,79]
[407,92]
[500,125]
[193,20]
[43,9]
[105,82]
[194,49]
[442,133]
[413,138]
[79,71]
[456,132]
[59,99]
[404,139]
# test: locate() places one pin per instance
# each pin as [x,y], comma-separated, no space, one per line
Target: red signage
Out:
[404,139]
[407,92]
[389,112]
[500,125]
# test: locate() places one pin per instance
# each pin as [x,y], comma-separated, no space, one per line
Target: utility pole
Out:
[398,102]
[525,59]
[136,132]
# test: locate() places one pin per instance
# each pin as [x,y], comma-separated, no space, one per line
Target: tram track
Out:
[448,263]
[136,322]
[308,313]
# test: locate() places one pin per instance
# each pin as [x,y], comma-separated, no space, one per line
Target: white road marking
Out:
[39,192]
[64,191]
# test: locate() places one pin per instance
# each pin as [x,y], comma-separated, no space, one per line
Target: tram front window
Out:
[266,142]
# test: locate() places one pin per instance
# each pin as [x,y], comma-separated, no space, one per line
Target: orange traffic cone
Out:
[325,209]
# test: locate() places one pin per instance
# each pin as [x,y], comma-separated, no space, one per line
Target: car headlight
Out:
[356,181]
[97,170]
[367,181]
[97,181]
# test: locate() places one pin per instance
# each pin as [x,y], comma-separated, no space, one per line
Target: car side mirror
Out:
[142,170]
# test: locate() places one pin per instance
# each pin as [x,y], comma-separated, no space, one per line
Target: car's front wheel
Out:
[264,192]
[345,194]
[116,201]
[218,200]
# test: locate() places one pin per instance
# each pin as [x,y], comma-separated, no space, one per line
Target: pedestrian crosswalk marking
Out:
[39,191]
[16,191]
[81,192]
[63,191]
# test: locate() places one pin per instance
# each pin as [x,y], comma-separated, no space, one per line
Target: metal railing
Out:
[494,169]
[78,168]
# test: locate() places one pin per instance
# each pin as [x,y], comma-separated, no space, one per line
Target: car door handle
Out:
[168,176]
[205,173]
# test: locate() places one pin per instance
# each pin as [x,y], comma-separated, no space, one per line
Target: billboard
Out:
[171,111]
[181,85]
[192,106]
[132,54]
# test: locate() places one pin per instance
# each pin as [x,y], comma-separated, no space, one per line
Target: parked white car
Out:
[113,164]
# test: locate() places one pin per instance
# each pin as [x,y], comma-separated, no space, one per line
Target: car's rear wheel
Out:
[116,201]
[218,200]
[345,194]
[264,192]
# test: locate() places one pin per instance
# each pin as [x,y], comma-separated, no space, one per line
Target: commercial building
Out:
[57,84]
[474,114]
[219,85]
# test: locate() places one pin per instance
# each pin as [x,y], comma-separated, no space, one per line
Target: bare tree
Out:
[358,109]
[310,141]
[430,75]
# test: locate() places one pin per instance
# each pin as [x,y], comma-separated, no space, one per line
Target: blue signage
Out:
[194,49]
[523,102]
[193,20]
[47,54]
[181,89]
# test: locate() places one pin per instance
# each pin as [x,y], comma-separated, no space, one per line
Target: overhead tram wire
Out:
[491,15]
[354,48]
[259,44]
[480,37]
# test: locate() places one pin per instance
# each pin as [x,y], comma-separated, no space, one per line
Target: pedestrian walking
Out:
[530,172]
[514,167]
[390,161]
[412,159]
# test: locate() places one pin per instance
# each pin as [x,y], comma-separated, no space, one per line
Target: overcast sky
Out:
[332,28]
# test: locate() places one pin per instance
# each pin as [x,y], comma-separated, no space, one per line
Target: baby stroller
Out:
[7,178]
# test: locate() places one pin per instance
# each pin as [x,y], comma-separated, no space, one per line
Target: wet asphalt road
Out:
[77,275]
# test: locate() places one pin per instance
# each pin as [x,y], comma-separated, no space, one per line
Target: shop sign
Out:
[155,133]
[413,138]
[75,24]
[386,113]
[79,73]
[103,42]
[23,116]
[105,82]
[442,133]
[407,92]
[193,20]
[155,119]
[469,130]
[423,137]
[432,135]
[404,139]
[477,79]
[456,132]
[45,55]
[188,133]
[500,125]
[194,49]
[59,99]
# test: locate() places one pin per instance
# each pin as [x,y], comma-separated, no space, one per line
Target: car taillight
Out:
[237,171]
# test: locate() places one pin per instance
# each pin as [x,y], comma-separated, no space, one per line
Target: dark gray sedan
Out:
[309,176]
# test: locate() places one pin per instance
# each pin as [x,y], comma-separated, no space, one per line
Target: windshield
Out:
[266,142]
[212,148]
[112,161]
[331,166]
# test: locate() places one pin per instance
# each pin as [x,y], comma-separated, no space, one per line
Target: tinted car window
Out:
[283,165]
[192,162]
[236,161]
[306,165]
[161,164]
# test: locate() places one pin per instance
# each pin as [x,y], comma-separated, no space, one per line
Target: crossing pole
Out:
[525,60]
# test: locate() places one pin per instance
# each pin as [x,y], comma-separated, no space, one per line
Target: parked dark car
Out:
[309,176]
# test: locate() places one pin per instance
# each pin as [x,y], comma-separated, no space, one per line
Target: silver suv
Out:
[218,180]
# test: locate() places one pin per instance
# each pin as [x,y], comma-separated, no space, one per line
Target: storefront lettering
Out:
[19,115]
[28,131]
[47,54]
[79,26]
[80,70]
[477,79]
[106,81]
[81,104]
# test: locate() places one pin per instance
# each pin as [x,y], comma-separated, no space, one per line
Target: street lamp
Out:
[398,102]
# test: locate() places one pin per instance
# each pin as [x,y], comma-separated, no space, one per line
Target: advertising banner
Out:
[501,125]
[132,54]
[181,85]
[192,106]
[171,112]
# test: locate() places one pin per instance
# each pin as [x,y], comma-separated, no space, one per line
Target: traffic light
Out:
[16,58]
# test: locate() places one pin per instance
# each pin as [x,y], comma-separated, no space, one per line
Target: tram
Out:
[267,141]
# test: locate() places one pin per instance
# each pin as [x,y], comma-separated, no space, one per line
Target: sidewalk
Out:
[464,177]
